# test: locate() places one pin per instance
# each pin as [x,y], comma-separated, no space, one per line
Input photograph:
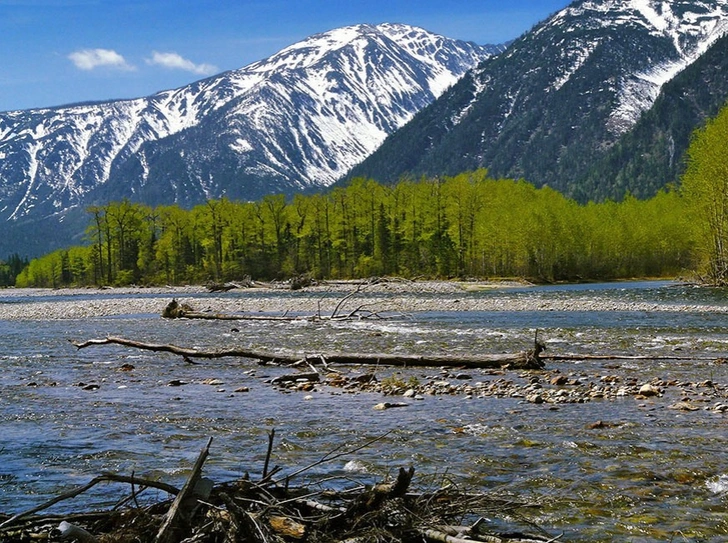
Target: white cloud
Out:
[90,59]
[177,62]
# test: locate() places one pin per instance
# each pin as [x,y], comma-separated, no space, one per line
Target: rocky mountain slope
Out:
[297,120]
[652,153]
[559,98]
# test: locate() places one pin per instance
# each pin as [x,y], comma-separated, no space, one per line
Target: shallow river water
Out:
[649,473]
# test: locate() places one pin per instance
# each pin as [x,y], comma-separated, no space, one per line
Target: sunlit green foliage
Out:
[467,226]
[705,186]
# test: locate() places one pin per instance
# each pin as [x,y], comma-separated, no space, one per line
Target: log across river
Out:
[522,360]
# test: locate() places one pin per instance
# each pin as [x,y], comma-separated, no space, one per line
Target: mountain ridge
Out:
[299,119]
[654,149]
[546,108]
[568,104]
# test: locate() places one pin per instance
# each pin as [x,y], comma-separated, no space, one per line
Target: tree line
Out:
[465,226]
[10,268]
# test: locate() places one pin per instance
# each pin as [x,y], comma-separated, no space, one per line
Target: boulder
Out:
[649,390]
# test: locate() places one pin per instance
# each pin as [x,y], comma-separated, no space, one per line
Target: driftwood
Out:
[523,360]
[532,359]
[69,531]
[574,356]
[456,536]
[221,287]
[374,498]
[177,310]
[269,510]
[184,504]
[106,477]
[245,282]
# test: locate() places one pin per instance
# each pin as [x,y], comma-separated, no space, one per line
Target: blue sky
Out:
[54,52]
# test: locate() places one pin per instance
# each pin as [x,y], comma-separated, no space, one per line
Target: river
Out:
[647,473]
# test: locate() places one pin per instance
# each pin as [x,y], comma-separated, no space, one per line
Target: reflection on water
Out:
[650,474]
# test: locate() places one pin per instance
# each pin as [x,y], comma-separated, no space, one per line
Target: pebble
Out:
[649,390]
[537,387]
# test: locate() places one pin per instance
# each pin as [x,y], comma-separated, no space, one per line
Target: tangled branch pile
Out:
[270,510]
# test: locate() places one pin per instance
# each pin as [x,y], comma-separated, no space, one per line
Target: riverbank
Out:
[394,296]
[634,439]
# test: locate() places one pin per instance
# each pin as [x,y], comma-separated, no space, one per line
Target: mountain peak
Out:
[299,119]
[558,96]
[678,32]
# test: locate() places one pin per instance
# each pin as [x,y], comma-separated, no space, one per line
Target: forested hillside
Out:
[558,106]
[464,226]
[652,154]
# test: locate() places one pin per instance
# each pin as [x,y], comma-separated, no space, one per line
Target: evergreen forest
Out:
[10,269]
[465,226]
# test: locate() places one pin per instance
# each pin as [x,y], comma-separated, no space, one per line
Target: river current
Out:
[648,473]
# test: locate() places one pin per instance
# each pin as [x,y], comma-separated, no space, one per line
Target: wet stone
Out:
[649,390]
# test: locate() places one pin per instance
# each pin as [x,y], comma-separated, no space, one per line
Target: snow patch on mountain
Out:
[26,201]
[302,117]
[637,94]
[691,34]
[573,57]
[688,27]
[659,21]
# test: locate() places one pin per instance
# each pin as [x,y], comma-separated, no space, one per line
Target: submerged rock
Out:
[389,405]
[684,406]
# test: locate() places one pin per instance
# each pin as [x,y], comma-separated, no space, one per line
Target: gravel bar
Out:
[383,297]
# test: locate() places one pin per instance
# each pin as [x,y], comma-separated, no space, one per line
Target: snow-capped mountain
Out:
[298,119]
[559,96]
[678,32]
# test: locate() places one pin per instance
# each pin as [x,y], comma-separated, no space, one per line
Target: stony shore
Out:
[549,387]
[386,296]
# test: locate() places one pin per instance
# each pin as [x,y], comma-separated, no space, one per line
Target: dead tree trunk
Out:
[523,360]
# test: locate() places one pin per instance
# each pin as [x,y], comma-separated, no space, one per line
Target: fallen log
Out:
[203,315]
[573,356]
[310,377]
[182,310]
[177,310]
[221,287]
[522,360]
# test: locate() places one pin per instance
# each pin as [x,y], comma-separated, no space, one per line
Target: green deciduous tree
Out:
[705,186]
[464,226]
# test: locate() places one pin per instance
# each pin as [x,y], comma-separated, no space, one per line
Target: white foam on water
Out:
[718,485]
[355,466]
